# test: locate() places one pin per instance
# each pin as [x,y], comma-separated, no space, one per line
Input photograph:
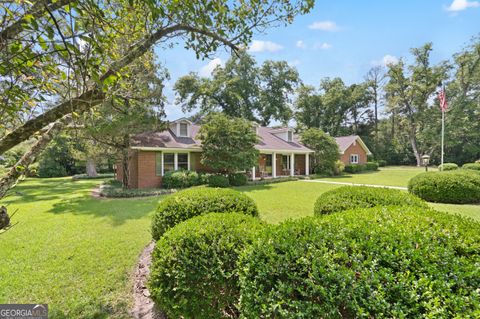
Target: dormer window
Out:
[183,130]
[290,136]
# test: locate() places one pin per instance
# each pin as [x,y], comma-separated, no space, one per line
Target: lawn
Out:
[71,251]
[77,253]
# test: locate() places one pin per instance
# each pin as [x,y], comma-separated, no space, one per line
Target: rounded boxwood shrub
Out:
[371,166]
[198,201]
[355,168]
[194,265]
[448,167]
[395,262]
[349,197]
[218,180]
[180,179]
[237,179]
[472,166]
[456,187]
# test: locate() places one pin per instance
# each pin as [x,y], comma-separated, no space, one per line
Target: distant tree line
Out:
[395,109]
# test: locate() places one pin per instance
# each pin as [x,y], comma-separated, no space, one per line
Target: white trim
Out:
[268,151]
[274,164]
[292,164]
[188,160]
[166,149]
[307,164]
[253,173]
[175,161]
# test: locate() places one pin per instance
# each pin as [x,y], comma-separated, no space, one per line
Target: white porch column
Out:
[253,173]
[163,169]
[274,165]
[188,161]
[292,164]
[175,161]
[307,164]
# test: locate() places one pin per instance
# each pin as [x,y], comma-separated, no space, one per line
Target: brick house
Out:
[352,149]
[154,154]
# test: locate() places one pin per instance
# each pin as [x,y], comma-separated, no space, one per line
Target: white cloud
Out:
[294,63]
[300,44]
[322,46]
[324,26]
[460,5]
[264,46]
[207,70]
[386,60]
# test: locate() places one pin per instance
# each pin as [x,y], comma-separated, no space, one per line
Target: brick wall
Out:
[147,177]
[300,164]
[354,149]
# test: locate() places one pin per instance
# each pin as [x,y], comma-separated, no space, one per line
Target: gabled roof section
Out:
[182,119]
[344,142]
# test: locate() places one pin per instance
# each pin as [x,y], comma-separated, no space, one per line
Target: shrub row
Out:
[114,189]
[373,263]
[357,168]
[98,176]
[183,179]
[349,197]
[472,166]
[273,180]
[448,167]
[456,187]
[198,201]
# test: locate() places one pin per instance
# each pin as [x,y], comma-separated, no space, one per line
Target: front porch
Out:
[281,164]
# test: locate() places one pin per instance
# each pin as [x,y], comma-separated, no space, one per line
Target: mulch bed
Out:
[144,306]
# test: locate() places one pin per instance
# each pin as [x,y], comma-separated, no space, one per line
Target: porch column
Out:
[307,164]
[292,164]
[253,173]
[274,165]
[188,161]
[163,169]
[175,161]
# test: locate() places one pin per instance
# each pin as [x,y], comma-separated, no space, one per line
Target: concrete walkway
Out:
[352,184]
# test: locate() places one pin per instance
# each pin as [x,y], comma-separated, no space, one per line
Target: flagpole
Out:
[443,133]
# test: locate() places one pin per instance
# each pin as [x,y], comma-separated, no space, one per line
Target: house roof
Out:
[344,142]
[167,139]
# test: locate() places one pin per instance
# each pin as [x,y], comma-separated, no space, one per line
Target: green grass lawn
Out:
[390,176]
[77,253]
[71,251]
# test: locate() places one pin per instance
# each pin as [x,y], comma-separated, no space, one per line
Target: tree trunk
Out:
[91,169]
[413,142]
[19,169]
[125,169]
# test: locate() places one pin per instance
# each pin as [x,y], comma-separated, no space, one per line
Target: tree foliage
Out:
[325,147]
[228,144]
[242,89]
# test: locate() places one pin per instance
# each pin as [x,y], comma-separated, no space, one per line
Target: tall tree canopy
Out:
[242,89]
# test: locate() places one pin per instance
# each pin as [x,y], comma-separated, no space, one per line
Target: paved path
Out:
[352,184]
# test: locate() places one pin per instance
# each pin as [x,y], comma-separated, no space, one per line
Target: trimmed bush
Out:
[455,187]
[198,201]
[371,166]
[472,166]
[354,168]
[448,167]
[194,265]
[339,167]
[382,163]
[397,262]
[218,181]
[349,197]
[237,179]
[181,179]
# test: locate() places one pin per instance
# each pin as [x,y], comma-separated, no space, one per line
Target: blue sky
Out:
[345,38]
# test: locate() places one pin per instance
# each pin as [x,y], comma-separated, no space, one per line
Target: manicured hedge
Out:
[194,273]
[472,166]
[354,168]
[198,201]
[448,167]
[181,179]
[371,166]
[237,179]
[396,262]
[218,180]
[456,187]
[349,197]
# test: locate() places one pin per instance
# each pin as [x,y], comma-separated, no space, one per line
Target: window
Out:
[354,159]
[168,162]
[285,162]
[290,136]
[183,161]
[183,129]
[158,163]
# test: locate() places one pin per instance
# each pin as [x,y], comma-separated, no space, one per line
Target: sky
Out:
[345,38]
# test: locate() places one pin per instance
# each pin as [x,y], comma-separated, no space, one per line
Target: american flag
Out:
[442,97]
